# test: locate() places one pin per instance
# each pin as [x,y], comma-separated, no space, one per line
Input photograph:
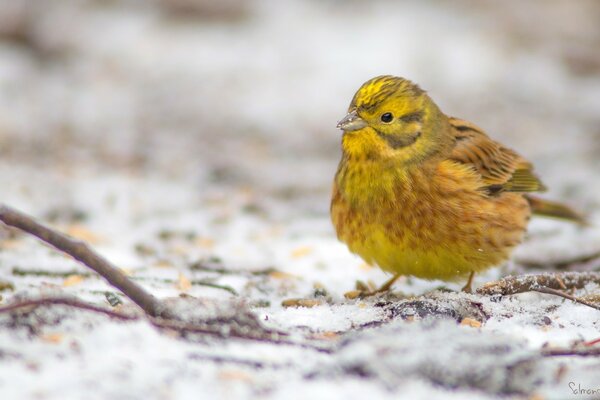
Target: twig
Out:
[214,286]
[194,282]
[592,342]
[18,271]
[262,335]
[582,352]
[222,329]
[527,283]
[553,284]
[238,361]
[565,295]
[66,302]
[80,251]
[208,267]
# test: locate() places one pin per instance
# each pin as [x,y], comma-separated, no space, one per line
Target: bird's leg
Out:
[362,293]
[388,284]
[468,287]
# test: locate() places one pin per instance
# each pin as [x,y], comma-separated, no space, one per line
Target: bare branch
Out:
[577,351]
[224,329]
[34,303]
[207,266]
[548,283]
[240,332]
[527,283]
[83,253]
[565,296]
[592,342]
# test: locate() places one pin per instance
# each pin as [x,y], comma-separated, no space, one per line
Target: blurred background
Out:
[246,94]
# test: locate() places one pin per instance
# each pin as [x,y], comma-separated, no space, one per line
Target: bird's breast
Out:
[428,222]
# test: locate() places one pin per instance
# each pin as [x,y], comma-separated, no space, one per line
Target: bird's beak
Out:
[351,122]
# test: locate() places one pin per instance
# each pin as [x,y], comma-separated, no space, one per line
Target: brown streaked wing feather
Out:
[501,168]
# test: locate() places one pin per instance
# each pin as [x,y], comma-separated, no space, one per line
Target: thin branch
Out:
[80,251]
[527,283]
[565,296]
[217,269]
[194,282]
[18,271]
[549,283]
[213,285]
[263,335]
[592,342]
[581,352]
[238,361]
[223,329]
[34,303]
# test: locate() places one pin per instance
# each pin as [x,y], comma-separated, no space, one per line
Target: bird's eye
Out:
[387,117]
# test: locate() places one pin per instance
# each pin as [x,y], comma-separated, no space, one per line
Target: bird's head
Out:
[392,117]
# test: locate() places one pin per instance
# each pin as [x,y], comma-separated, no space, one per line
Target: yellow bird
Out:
[423,194]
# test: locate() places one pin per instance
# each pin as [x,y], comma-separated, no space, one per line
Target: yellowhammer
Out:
[423,194]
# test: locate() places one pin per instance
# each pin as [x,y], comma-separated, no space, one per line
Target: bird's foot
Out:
[368,290]
[362,290]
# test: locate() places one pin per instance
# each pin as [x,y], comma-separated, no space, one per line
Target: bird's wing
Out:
[501,169]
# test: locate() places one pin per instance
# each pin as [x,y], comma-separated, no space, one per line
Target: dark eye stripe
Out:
[416,116]
[396,142]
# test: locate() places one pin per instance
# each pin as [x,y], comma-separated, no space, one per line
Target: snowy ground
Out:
[193,145]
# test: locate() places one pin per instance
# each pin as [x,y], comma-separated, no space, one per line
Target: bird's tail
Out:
[552,209]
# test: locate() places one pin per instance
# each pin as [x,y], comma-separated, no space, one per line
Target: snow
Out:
[196,153]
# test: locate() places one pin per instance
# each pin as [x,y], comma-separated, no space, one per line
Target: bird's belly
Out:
[410,257]
[443,239]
